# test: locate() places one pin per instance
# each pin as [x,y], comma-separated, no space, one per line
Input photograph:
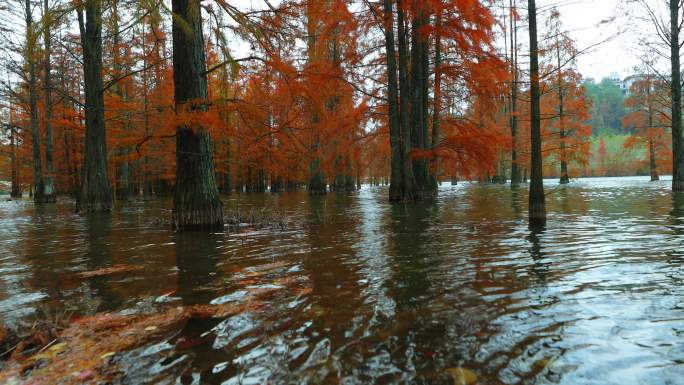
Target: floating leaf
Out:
[84,375]
[544,363]
[462,376]
[150,328]
[120,268]
[49,353]
[56,348]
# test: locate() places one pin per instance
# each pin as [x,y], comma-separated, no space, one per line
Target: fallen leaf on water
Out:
[56,348]
[84,375]
[544,363]
[109,270]
[49,353]
[302,291]
[248,282]
[462,376]
[150,328]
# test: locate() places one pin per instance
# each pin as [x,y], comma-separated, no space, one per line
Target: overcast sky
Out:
[583,18]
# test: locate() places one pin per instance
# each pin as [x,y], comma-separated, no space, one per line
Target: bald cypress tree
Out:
[676,89]
[196,203]
[537,204]
[30,52]
[96,193]
[49,193]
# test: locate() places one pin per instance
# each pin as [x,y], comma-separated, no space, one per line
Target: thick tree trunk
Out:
[123,180]
[49,193]
[396,161]
[437,103]
[196,203]
[676,89]
[418,124]
[317,183]
[96,193]
[31,49]
[537,204]
[429,188]
[408,178]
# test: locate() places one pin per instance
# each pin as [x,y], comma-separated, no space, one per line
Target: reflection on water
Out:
[360,291]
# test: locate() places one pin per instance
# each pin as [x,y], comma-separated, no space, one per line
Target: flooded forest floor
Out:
[347,288]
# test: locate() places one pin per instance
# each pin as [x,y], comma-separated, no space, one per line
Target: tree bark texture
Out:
[676,89]
[96,193]
[537,200]
[196,203]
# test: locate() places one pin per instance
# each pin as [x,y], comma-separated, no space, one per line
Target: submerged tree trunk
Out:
[676,89]
[537,204]
[196,203]
[96,193]
[30,54]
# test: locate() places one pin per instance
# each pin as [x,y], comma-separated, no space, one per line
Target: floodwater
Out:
[362,291]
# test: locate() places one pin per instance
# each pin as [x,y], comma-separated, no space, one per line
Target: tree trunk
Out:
[408,178]
[96,194]
[418,126]
[15,191]
[396,161]
[429,188]
[564,178]
[676,89]
[49,194]
[123,180]
[196,203]
[16,187]
[227,182]
[537,204]
[652,161]
[515,169]
[437,103]
[317,183]
[651,143]
[31,49]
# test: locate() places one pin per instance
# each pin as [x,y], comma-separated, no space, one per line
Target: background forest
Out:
[297,97]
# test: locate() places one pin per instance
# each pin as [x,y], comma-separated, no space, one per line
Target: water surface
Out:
[362,291]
